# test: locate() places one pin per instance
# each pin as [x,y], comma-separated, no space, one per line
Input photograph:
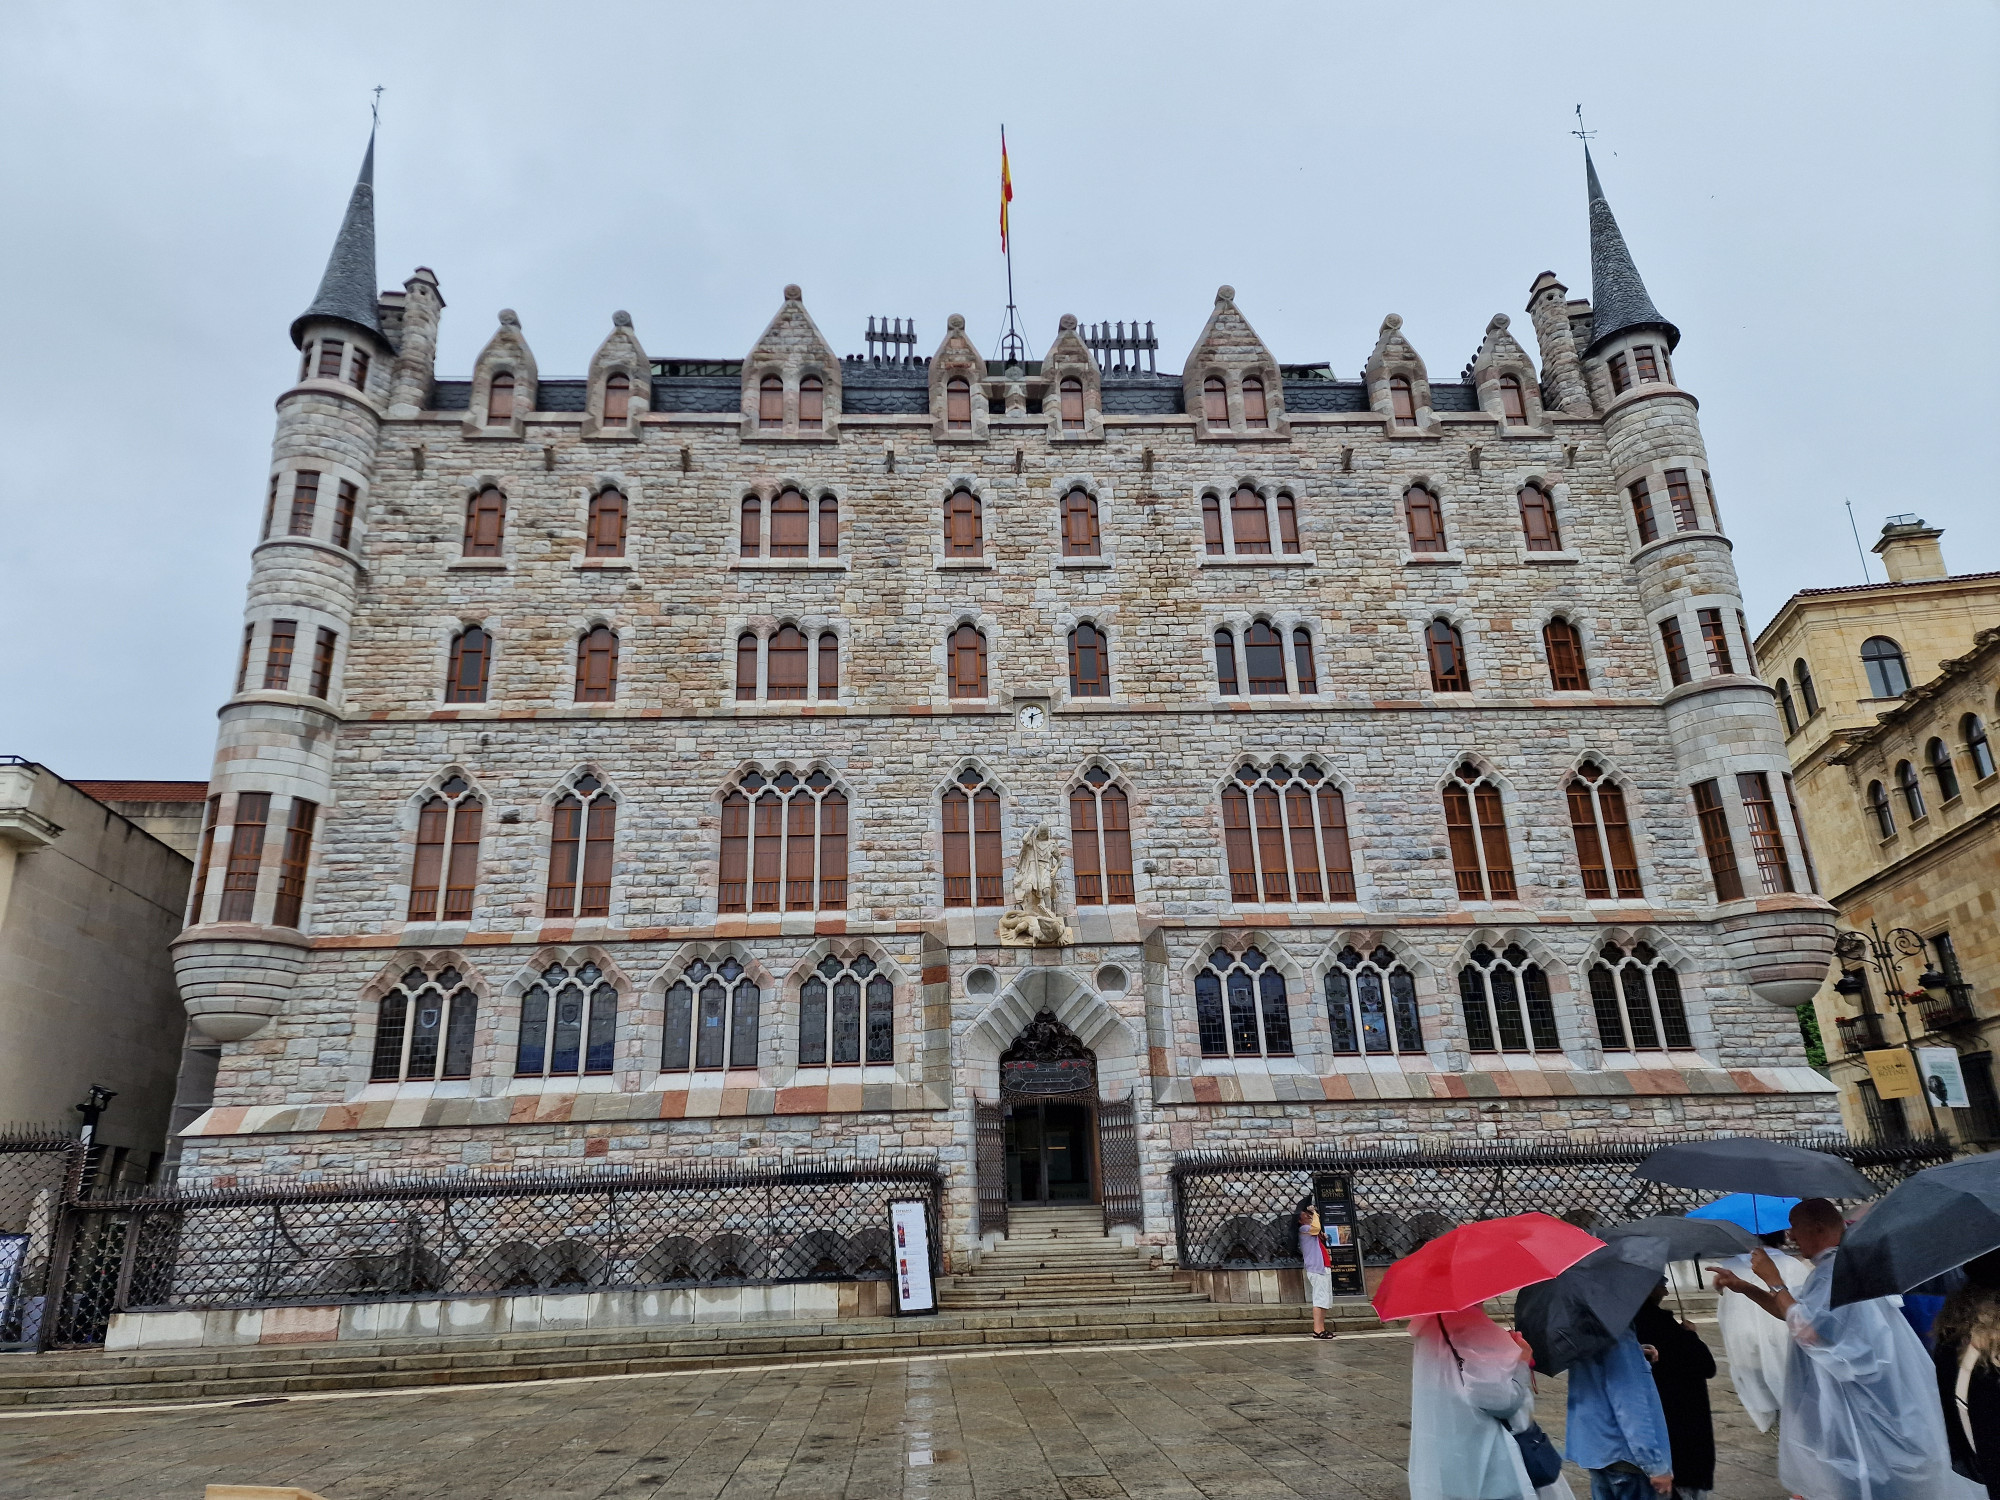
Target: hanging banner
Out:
[1894,1073]
[1944,1079]
[1333,1196]
[910,1227]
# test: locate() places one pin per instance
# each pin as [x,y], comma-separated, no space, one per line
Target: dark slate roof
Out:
[451,395]
[562,395]
[1303,397]
[897,388]
[698,393]
[1618,297]
[347,290]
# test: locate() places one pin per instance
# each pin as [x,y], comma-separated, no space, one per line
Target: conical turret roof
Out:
[1618,298]
[347,290]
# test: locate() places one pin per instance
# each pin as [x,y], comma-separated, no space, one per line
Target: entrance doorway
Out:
[1049,1155]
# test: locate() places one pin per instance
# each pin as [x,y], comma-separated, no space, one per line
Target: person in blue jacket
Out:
[1617,1428]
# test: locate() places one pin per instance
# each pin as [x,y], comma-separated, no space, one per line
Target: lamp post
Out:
[1884,953]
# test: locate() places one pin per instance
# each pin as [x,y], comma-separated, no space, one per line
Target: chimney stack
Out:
[1909,550]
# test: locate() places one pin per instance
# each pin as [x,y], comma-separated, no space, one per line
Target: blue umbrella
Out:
[1756,1212]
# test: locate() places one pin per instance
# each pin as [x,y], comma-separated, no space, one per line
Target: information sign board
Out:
[910,1228]
[1333,1196]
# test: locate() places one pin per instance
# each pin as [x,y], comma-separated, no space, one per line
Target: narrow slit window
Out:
[746,667]
[322,668]
[958,405]
[1211,524]
[750,532]
[210,814]
[1302,660]
[1072,404]
[1288,522]
[1225,664]
[829,526]
[500,400]
[343,513]
[829,667]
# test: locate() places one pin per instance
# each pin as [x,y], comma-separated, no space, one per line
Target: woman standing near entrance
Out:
[1319,1270]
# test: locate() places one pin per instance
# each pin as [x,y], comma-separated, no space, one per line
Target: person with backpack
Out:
[1472,1414]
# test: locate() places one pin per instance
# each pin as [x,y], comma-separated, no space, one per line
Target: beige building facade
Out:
[90,903]
[1887,692]
[748,758]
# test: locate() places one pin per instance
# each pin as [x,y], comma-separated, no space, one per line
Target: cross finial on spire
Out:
[375,109]
[1586,136]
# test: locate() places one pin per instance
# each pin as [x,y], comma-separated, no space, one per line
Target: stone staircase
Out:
[1061,1257]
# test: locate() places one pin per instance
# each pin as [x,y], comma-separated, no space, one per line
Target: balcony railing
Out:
[1941,1012]
[1860,1033]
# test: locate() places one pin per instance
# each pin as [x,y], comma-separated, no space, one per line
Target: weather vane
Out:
[1586,136]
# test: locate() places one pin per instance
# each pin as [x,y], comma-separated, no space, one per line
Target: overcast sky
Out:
[1809,191]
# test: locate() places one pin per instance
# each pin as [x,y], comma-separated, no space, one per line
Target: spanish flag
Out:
[1006,188]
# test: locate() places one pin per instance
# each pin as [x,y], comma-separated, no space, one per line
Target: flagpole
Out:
[1013,347]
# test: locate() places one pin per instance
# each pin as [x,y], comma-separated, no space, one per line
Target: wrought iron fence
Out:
[38,1171]
[1240,1210]
[498,1234]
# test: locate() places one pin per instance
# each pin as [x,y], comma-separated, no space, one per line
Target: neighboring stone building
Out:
[89,903]
[648,764]
[1894,778]
[171,811]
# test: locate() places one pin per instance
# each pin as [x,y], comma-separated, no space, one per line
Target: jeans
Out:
[1619,1484]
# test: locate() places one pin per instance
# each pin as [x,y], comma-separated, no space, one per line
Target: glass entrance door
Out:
[1049,1156]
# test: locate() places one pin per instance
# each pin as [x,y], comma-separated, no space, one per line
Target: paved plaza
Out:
[1209,1420]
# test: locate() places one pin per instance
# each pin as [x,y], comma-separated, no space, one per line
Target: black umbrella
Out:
[1687,1239]
[1751,1164]
[1938,1219]
[1587,1309]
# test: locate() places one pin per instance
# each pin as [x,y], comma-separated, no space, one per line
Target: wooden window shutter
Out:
[750,534]
[485,522]
[1493,840]
[500,400]
[1589,847]
[1715,637]
[597,665]
[278,655]
[1288,522]
[1115,823]
[330,352]
[1080,537]
[1624,856]
[789,518]
[305,500]
[1676,649]
[1249,521]
[1264,658]
[957,808]
[1538,520]
[1215,401]
[427,872]
[986,856]
[617,398]
[470,652]
[829,666]
[1564,644]
[1716,841]
[746,667]
[733,871]
[1072,404]
[1621,378]
[1464,847]
[1642,511]
[246,857]
[1447,654]
[1426,520]
[1680,495]
[565,857]
[829,526]
[833,851]
[462,868]
[958,405]
[1302,660]
[1513,408]
[607,524]
[1403,402]
[1085,854]
[1256,413]
[968,663]
[962,531]
[1211,524]
[812,402]
[600,839]
[1236,843]
[785,664]
[771,402]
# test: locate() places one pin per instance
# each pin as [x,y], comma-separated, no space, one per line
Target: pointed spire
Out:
[1618,297]
[347,290]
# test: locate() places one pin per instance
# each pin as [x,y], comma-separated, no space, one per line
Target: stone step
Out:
[259,1371]
[977,1299]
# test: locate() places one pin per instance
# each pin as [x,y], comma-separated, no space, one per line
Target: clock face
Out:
[1031,717]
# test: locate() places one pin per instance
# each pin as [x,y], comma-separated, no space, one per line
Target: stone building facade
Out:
[1887,692]
[645,761]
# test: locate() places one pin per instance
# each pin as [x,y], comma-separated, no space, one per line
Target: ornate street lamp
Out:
[1884,953]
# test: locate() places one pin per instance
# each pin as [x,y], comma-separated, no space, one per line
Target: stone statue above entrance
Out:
[1031,922]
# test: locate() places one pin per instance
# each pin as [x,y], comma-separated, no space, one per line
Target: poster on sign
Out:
[910,1227]
[1944,1079]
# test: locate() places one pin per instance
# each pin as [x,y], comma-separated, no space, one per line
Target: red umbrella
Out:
[1473,1262]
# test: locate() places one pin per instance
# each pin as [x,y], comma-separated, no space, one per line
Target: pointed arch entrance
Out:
[1048,1093]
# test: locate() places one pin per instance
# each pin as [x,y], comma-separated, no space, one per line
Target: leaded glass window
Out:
[424,1029]
[1637,997]
[569,1024]
[711,1019]
[1506,1002]
[1240,1006]
[1371,1004]
[847,1014]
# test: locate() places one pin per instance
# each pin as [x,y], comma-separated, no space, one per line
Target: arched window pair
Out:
[792,533]
[1240,1006]
[790,662]
[585,829]
[1254,520]
[1284,832]
[1264,661]
[1215,402]
[1603,833]
[1100,826]
[784,844]
[972,857]
[447,856]
[771,402]
[1882,660]
[1475,817]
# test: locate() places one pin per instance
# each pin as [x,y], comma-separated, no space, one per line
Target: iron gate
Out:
[1118,1164]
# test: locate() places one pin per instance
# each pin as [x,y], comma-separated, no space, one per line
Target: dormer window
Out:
[500,400]
[1255,412]
[1513,406]
[1072,404]
[1647,366]
[618,399]
[958,405]
[771,402]
[1215,401]
[812,402]
[330,352]
[1403,402]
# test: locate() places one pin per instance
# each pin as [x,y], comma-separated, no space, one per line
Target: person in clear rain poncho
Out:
[1860,1418]
[1470,1391]
[1758,1345]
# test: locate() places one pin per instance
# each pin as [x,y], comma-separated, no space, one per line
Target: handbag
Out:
[1540,1456]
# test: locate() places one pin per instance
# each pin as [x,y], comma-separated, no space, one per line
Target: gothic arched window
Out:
[829,666]
[1089,662]
[1637,997]
[789,515]
[1603,835]
[1403,401]
[1072,404]
[1240,1006]
[1475,818]
[1513,407]
[580,848]
[606,537]
[447,861]
[965,662]
[1302,660]
[1285,835]
[746,667]
[771,402]
[750,535]
[569,1024]
[972,874]
[711,1018]
[1256,413]
[500,400]
[1079,512]
[847,1014]
[1100,825]
[1538,520]
[1563,642]
[784,844]
[963,531]
[1506,1005]
[1215,401]
[1446,649]
[1371,1004]
[1264,657]
[485,522]
[1426,519]
[617,398]
[1226,681]
[597,665]
[471,658]
[424,1029]
[829,526]
[812,402]
[958,404]
[1211,524]
[1882,658]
